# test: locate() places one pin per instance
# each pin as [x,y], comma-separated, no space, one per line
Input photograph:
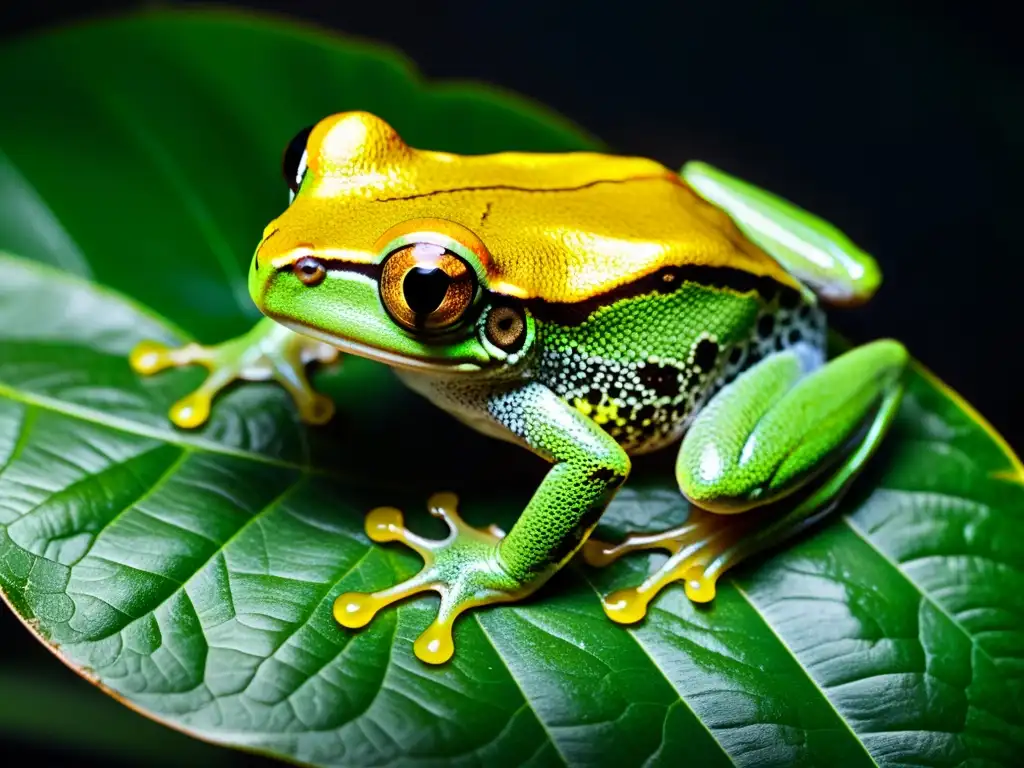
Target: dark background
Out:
[900,122]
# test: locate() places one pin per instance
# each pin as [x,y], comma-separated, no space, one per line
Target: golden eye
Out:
[309,271]
[426,287]
[505,328]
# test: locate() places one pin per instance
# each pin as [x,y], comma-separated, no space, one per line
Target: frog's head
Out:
[364,258]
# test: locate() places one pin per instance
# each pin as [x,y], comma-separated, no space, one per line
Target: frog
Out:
[588,307]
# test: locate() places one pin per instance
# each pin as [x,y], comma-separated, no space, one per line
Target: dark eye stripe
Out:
[340,265]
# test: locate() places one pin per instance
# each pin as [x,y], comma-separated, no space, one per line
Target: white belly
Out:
[466,402]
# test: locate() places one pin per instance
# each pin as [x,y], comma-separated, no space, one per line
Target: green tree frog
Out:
[587,307]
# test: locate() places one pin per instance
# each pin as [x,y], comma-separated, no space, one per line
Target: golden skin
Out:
[562,228]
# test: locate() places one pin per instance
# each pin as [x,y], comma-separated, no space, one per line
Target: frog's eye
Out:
[293,164]
[426,287]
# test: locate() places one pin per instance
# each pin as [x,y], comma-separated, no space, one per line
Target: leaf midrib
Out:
[522,692]
[181,440]
[668,680]
[806,672]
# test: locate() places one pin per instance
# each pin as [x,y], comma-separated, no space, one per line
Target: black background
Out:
[900,122]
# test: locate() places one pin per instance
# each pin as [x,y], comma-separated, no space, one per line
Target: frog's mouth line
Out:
[423,365]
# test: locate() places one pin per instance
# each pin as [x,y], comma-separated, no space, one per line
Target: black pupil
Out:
[293,156]
[424,289]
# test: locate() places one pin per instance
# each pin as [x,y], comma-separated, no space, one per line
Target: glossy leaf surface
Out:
[192,574]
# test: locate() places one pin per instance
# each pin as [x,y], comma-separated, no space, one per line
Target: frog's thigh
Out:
[778,425]
[831,419]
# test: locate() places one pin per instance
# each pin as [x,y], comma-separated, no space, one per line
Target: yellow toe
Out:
[435,645]
[385,524]
[699,587]
[319,411]
[355,609]
[597,553]
[626,606]
[149,357]
[192,411]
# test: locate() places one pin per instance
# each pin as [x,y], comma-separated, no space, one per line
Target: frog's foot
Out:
[462,568]
[700,551]
[268,352]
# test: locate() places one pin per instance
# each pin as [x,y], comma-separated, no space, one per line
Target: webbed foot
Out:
[463,568]
[269,352]
[784,445]
[700,551]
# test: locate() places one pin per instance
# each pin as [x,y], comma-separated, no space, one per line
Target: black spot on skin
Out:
[705,355]
[645,412]
[587,521]
[795,337]
[594,397]
[789,298]
[661,379]
[736,355]
[766,326]
[605,475]
[804,312]
[780,343]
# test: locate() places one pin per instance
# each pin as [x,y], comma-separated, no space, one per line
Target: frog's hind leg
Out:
[267,352]
[765,441]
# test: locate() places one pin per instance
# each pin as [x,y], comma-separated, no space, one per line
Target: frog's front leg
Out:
[470,567]
[270,351]
[780,435]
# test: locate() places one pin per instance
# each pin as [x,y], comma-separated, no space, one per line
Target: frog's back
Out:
[632,219]
[562,228]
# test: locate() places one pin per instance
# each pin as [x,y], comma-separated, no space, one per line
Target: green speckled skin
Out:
[731,364]
[642,366]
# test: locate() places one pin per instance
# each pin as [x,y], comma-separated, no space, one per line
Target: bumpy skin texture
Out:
[643,366]
[588,308]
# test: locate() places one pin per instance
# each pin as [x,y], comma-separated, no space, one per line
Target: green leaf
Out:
[191,575]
